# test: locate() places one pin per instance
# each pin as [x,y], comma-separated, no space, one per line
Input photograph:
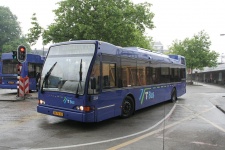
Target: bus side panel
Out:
[181,89]
[152,95]
[108,104]
[32,84]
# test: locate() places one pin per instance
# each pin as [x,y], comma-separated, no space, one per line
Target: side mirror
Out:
[93,83]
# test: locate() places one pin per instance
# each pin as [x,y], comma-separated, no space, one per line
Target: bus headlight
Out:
[81,108]
[41,102]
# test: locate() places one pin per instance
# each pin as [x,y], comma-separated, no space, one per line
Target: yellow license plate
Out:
[57,113]
[11,82]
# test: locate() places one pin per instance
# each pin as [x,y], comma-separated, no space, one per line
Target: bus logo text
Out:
[67,100]
[146,94]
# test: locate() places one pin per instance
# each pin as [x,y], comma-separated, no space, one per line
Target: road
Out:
[192,123]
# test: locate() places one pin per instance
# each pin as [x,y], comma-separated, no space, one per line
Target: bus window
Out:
[31,70]
[175,75]
[38,68]
[129,72]
[182,73]
[109,75]
[149,73]
[9,67]
[156,73]
[141,72]
[165,73]
[183,61]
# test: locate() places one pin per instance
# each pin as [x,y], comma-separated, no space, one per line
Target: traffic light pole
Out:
[18,77]
[20,55]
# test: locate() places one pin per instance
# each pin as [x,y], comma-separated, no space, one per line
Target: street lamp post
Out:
[222,53]
[222,56]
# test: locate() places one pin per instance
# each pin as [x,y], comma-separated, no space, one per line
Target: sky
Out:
[173,20]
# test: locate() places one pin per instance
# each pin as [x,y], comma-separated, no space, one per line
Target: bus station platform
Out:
[11,95]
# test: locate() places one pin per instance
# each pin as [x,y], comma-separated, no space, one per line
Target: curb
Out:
[18,98]
[220,108]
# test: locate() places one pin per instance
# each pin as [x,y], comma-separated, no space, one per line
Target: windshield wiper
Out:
[47,75]
[80,78]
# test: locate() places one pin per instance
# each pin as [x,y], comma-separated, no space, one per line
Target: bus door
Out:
[111,95]
[117,80]
[34,71]
[107,97]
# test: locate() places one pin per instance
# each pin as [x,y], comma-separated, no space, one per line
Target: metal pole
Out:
[43,50]
[222,53]
[18,75]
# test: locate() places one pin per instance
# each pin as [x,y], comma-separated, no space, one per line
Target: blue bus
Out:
[9,71]
[90,81]
[0,71]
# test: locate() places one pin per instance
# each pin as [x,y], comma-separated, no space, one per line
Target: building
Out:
[158,47]
[214,75]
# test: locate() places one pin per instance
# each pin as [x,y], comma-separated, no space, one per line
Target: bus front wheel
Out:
[127,107]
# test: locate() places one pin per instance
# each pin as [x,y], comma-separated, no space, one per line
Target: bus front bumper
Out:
[71,115]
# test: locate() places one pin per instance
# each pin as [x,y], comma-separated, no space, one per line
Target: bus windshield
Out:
[9,66]
[66,68]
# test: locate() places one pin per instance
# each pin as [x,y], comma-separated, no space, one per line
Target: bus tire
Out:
[127,107]
[174,96]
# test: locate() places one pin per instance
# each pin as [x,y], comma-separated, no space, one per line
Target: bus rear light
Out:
[84,108]
[41,102]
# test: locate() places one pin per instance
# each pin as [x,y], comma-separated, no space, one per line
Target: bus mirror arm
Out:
[93,83]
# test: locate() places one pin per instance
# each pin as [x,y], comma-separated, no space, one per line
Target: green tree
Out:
[34,32]
[13,45]
[196,51]
[10,31]
[9,27]
[119,22]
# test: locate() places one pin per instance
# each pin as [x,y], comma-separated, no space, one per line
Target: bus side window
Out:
[106,82]
[129,72]
[31,70]
[109,75]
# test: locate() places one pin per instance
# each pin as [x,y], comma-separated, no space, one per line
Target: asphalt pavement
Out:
[11,95]
[219,103]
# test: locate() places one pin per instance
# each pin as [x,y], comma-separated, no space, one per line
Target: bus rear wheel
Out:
[174,96]
[127,107]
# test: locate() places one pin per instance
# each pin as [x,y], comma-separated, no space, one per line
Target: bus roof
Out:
[133,52]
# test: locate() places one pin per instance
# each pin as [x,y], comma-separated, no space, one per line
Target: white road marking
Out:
[110,140]
[156,131]
[141,132]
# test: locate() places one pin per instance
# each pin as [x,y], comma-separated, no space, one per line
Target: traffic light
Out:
[14,55]
[21,53]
